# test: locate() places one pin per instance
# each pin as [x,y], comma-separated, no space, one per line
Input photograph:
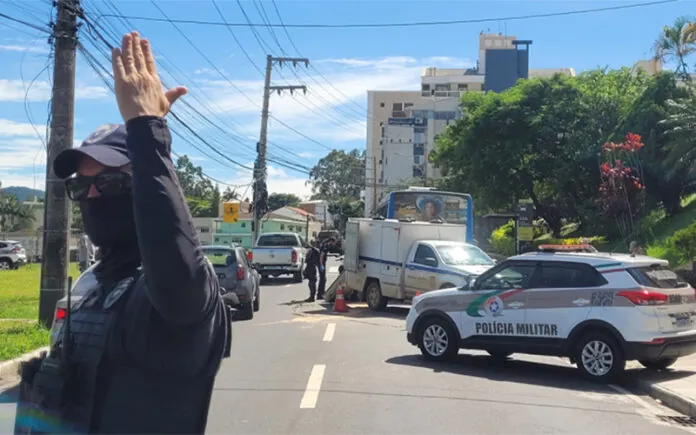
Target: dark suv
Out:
[333,239]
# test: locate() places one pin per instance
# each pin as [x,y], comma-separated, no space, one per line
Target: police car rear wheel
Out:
[437,340]
[599,357]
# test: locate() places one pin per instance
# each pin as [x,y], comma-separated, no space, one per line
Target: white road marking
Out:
[329,333]
[311,394]
[333,269]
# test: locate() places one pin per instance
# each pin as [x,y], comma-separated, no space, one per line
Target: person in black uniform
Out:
[148,338]
[310,272]
[323,254]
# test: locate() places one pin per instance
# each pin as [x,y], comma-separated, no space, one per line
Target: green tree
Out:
[675,43]
[202,197]
[540,140]
[338,175]
[12,211]
[666,158]
[344,208]
[280,200]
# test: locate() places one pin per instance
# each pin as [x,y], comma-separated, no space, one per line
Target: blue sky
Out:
[350,61]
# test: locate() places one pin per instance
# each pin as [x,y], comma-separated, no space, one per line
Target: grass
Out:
[20,337]
[19,310]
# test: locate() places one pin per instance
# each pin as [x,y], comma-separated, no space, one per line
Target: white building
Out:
[402,125]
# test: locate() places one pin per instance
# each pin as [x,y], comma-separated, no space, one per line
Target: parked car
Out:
[333,240]
[240,281]
[12,255]
[276,254]
[599,309]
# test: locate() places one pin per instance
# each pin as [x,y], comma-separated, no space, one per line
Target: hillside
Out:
[23,193]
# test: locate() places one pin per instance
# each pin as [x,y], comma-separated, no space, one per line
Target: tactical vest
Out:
[57,391]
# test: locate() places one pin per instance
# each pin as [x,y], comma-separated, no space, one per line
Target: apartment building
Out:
[402,125]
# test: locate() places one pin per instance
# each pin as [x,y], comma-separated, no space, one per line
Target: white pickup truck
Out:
[276,254]
[392,260]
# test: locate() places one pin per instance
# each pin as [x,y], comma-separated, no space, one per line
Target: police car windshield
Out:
[458,255]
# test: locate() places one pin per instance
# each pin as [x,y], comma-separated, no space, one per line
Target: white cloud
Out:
[21,153]
[15,90]
[330,112]
[23,48]
[12,128]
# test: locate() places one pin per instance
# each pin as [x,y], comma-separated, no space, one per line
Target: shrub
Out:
[664,251]
[683,242]
[502,239]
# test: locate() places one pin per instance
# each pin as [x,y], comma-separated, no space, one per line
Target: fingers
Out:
[138,53]
[127,57]
[149,57]
[117,65]
[175,93]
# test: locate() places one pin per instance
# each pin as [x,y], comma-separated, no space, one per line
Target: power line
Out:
[228,133]
[26,23]
[405,24]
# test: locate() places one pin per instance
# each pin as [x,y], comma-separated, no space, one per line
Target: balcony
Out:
[399,114]
[441,94]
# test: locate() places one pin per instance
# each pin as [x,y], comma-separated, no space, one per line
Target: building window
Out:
[462,86]
[442,87]
[204,229]
[381,104]
[406,105]
[418,150]
[291,228]
[397,107]
[426,87]
[243,224]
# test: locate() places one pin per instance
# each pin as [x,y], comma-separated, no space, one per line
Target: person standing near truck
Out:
[323,255]
[310,272]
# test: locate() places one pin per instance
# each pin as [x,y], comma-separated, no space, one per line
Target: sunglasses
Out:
[108,183]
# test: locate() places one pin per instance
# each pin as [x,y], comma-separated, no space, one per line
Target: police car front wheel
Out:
[599,357]
[437,340]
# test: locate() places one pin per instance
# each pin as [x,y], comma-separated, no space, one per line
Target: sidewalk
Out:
[675,388]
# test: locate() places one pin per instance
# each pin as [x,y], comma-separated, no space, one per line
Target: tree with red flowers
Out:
[622,193]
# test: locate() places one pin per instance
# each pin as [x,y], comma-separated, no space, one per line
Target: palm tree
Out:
[676,43]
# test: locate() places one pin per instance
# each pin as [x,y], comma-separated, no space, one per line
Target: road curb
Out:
[10,368]
[669,397]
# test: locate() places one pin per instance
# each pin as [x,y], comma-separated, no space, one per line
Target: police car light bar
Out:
[567,248]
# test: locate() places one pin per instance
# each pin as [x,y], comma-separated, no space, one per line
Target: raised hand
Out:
[137,85]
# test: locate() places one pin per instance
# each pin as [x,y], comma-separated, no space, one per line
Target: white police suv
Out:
[598,309]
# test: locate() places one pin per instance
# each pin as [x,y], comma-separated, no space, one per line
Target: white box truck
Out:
[388,259]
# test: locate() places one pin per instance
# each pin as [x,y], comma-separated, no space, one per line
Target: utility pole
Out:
[56,237]
[260,189]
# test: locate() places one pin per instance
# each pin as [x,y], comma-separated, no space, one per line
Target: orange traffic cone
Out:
[340,302]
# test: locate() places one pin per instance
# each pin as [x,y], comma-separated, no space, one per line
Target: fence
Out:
[32,242]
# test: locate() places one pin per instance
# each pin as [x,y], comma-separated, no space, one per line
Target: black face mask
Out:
[109,220]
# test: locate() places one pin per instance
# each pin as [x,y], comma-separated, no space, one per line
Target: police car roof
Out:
[592,258]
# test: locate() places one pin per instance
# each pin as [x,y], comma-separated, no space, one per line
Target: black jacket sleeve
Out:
[181,282]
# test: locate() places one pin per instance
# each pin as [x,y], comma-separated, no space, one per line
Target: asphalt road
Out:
[297,369]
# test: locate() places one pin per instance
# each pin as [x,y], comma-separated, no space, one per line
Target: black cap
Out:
[107,145]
